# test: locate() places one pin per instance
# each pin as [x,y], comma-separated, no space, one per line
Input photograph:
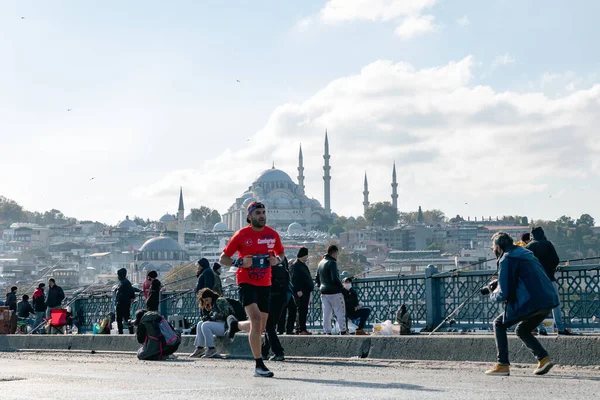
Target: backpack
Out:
[167,332]
[238,310]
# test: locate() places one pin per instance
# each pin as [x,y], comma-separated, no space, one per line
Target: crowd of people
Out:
[274,297]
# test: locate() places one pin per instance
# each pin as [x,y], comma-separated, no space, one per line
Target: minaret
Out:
[180,222]
[366,194]
[394,189]
[327,176]
[301,171]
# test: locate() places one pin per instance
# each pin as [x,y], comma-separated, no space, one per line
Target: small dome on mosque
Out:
[219,227]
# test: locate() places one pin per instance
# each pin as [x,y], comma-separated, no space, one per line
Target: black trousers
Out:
[287,321]
[302,304]
[270,339]
[523,330]
[124,312]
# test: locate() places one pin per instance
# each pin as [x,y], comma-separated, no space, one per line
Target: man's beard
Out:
[258,223]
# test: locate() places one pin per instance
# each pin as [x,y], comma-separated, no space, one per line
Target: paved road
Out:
[110,376]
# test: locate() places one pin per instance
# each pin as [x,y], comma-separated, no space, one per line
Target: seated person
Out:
[216,310]
[25,309]
[353,309]
[148,334]
[403,318]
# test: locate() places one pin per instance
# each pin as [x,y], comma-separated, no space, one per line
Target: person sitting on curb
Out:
[217,309]
[353,308]
[403,318]
[149,335]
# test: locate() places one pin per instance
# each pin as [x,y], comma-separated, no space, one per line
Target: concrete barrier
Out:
[566,350]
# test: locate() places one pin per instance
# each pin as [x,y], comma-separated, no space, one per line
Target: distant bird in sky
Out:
[238,81]
[22,17]
[93,177]
[69,109]
[466,203]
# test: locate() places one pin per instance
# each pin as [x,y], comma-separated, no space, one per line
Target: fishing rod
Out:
[42,277]
[457,270]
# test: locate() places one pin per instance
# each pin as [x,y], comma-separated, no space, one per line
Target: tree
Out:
[205,217]
[585,219]
[11,211]
[382,215]
[182,275]
[213,218]
[140,221]
[429,217]
[420,218]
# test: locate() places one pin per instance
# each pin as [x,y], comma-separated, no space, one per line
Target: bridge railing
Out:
[429,297]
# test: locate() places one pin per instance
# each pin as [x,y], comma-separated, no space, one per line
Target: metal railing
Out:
[429,297]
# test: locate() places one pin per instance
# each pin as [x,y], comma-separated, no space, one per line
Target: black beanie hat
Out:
[216,266]
[302,252]
[152,274]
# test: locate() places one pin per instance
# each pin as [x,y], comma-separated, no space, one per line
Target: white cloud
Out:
[448,137]
[371,10]
[407,13]
[463,21]
[505,59]
[413,26]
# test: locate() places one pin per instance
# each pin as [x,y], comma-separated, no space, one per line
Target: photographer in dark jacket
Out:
[303,284]
[280,282]
[125,296]
[328,279]
[55,297]
[528,296]
[545,252]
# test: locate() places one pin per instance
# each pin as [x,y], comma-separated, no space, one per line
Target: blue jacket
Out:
[523,285]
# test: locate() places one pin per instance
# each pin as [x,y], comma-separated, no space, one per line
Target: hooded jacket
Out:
[218,282]
[523,285]
[206,279]
[55,296]
[280,278]
[544,251]
[24,309]
[328,276]
[153,299]
[125,292]
[39,303]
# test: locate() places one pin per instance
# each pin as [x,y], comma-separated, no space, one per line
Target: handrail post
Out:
[432,297]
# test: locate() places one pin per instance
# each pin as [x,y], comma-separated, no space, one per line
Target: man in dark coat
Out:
[303,285]
[125,296]
[153,299]
[353,308]
[328,279]
[280,282]
[528,296]
[54,300]
[545,252]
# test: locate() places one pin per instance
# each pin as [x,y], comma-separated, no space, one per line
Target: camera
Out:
[490,287]
[261,261]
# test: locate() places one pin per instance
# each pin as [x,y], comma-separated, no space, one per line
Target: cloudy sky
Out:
[488,108]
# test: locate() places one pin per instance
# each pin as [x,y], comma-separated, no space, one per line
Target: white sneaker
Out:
[263,372]
[210,353]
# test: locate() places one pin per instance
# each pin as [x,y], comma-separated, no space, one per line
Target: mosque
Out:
[288,206]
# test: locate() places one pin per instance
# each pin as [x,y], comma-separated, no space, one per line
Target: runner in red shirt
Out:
[259,248]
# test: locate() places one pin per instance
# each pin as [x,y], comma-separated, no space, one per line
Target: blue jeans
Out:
[556,313]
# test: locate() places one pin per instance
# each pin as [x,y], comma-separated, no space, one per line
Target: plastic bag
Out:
[335,329]
[387,329]
[351,327]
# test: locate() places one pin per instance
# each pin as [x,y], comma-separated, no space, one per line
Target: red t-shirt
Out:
[247,242]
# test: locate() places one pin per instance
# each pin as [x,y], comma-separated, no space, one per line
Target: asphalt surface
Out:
[56,375]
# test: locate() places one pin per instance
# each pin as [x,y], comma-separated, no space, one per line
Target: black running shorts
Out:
[259,295]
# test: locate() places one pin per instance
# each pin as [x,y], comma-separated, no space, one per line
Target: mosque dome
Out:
[127,224]
[161,243]
[295,228]
[273,175]
[248,201]
[168,218]
[220,226]
[296,203]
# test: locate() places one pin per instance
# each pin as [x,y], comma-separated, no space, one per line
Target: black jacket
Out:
[125,292]
[11,301]
[545,252]
[55,296]
[206,279]
[301,278]
[328,277]
[153,295]
[25,309]
[351,301]
[39,300]
[280,278]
